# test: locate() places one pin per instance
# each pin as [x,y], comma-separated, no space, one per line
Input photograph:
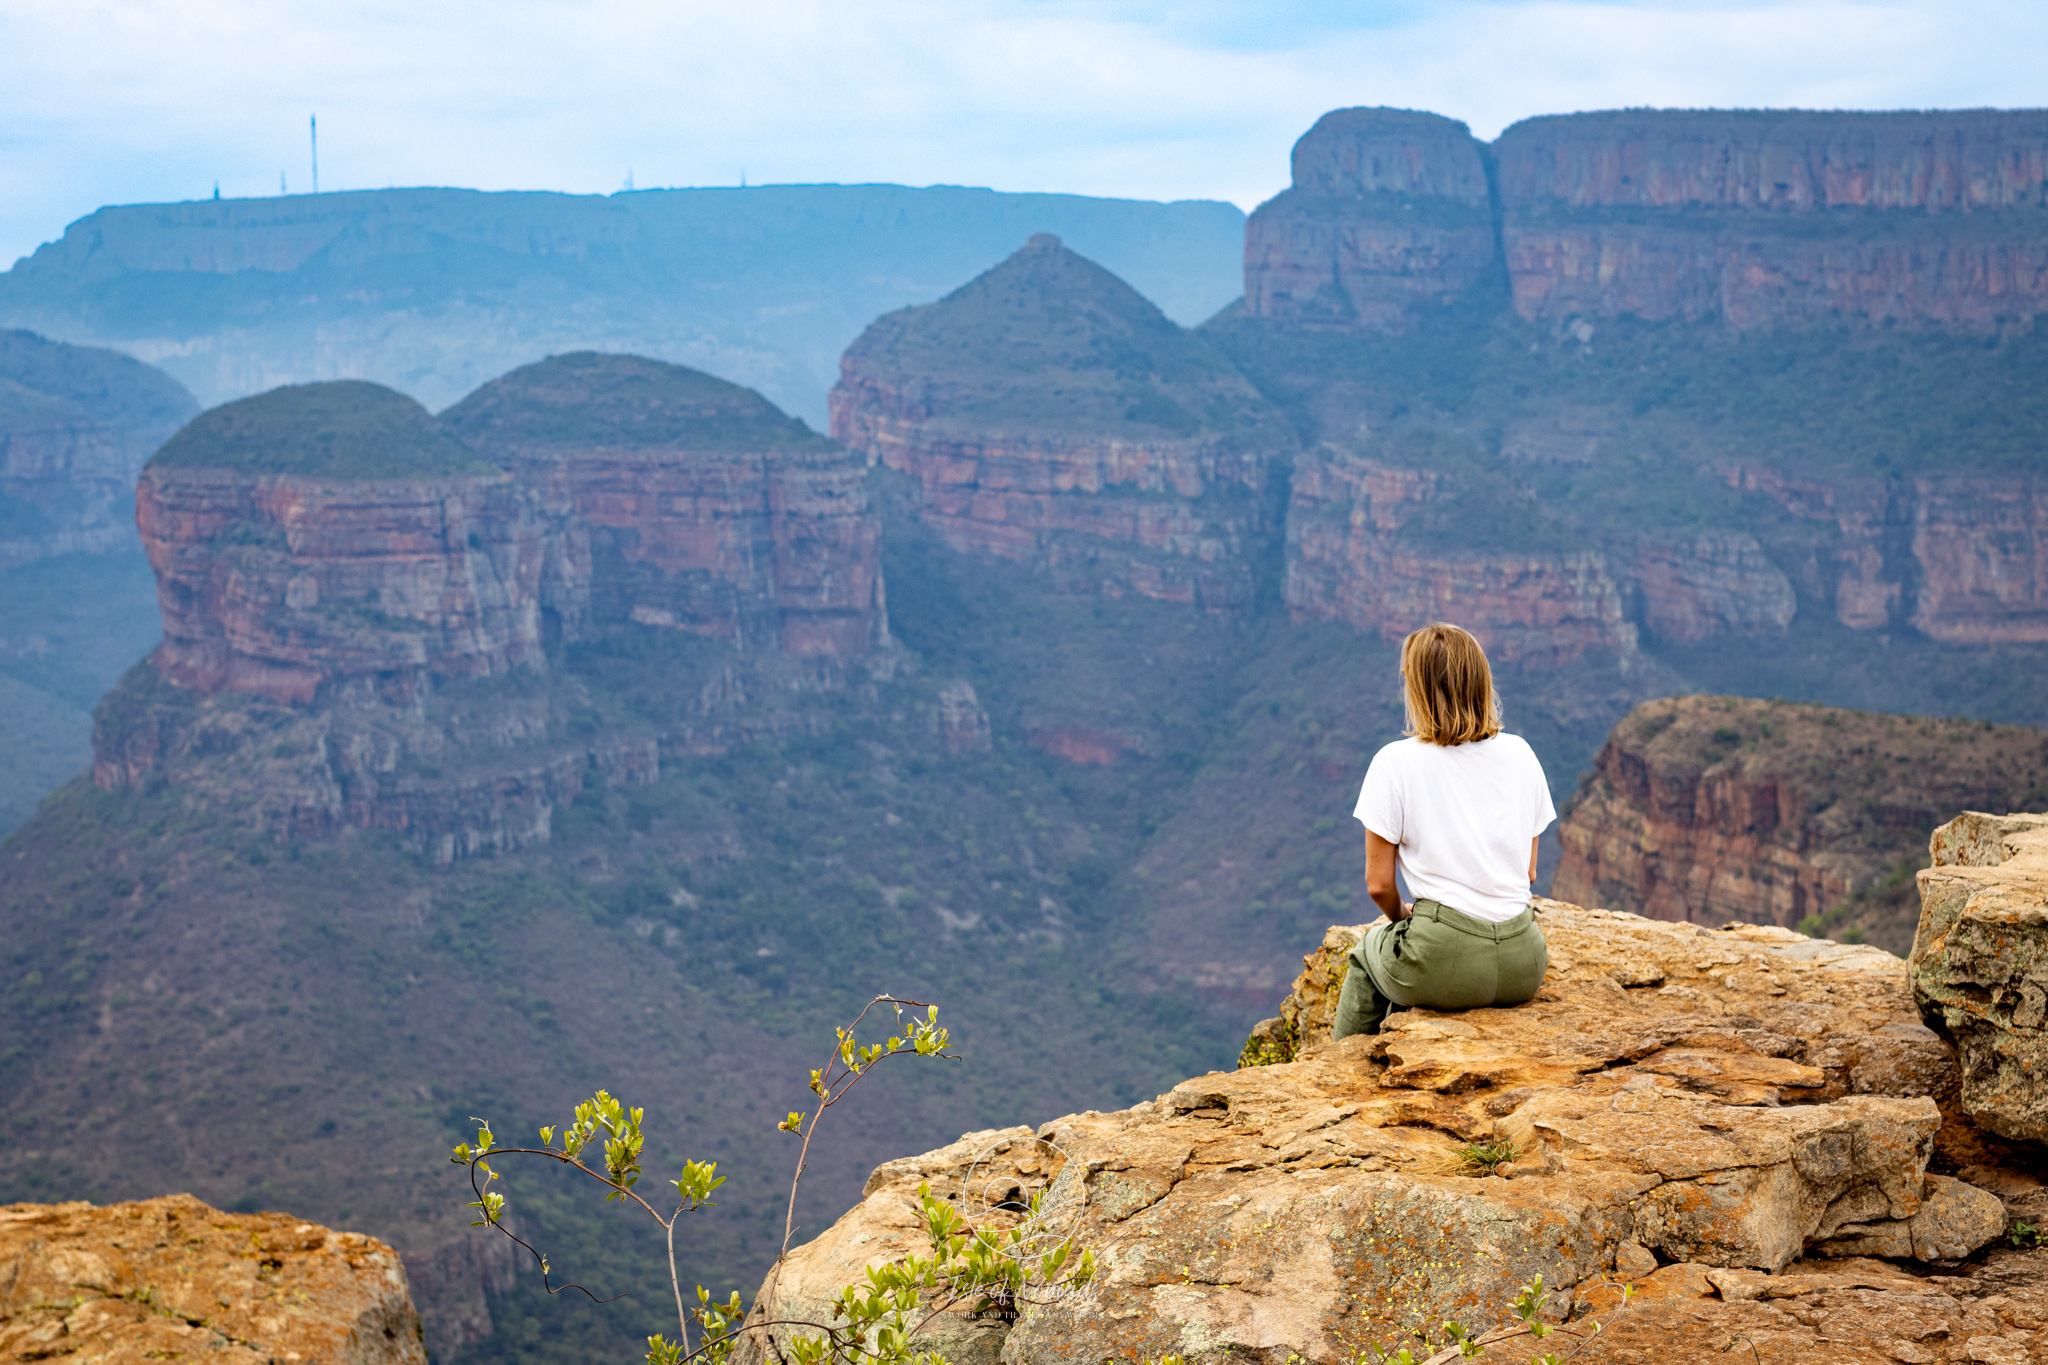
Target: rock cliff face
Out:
[1777,217]
[333,532]
[1980,964]
[1348,560]
[360,608]
[1389,215]
[167,1279]
[1715,808]
[696,504]
[1757,218]
[1962,559]
[352,607]
[1054,418]
[76,423]
[1732,1121]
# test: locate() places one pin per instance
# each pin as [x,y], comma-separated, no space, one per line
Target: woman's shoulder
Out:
[1515,749]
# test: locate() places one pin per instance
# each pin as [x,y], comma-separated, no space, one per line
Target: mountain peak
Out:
[1049,341]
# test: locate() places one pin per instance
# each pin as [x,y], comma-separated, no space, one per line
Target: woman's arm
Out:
[1532,860]
[1379,877]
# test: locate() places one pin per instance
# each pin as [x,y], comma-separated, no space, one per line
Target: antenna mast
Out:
[313,120]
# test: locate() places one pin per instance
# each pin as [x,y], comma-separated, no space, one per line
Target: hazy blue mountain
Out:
[77,603]
[434,291]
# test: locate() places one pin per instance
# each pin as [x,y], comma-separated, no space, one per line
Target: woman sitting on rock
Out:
[1457,806]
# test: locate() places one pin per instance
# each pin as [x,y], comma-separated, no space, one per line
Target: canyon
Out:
[615,727]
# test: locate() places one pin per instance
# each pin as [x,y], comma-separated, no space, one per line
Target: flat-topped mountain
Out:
[435,291]
[1051,415]
[698,505]
[1750,217]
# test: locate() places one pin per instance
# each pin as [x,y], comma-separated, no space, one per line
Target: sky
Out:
[127,101]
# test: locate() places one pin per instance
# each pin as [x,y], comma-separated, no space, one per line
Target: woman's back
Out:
[1462,816]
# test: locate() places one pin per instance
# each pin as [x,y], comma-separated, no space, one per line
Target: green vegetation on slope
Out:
[346,429]
[590,401]
[1050,343]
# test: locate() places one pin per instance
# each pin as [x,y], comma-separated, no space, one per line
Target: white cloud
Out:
[135,100]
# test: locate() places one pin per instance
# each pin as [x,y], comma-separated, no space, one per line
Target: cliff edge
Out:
[171,1278]
[1740,1123]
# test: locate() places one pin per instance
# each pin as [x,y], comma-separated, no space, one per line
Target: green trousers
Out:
[1440,959]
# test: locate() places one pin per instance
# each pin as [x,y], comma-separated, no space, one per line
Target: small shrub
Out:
[1487,1157]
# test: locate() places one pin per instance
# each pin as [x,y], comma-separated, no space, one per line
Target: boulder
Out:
[171,1279]
[1679,1107]
[1980,964]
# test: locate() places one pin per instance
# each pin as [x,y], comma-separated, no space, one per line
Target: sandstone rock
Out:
[1348,561]
[1721,582]
[1953,1221]
[1712,808]
[170,1278]
[1388,216]
[1146,475]
[696,504]
[1980,964]
[1320,1203]
[333,531]
[1704,214]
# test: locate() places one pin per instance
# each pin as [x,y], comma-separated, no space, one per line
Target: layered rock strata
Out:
[696,504]
[332,532]
[170,1279]
[1959,558]
[1052,417]
[1777,217]
[1355,554]
[76,424]
[1389,215]
[352,604]
[1711,1115]
[1980,964]
[1752,218]
[1716,808]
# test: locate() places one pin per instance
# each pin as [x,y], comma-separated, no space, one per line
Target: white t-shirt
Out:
[1462,816]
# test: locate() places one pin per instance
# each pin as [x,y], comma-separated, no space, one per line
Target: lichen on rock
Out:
[1725,1118]
[1980,964]
[171,1278]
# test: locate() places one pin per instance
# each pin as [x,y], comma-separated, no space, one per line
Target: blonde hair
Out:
[1448,686]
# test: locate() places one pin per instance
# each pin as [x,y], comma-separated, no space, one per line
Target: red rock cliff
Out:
[1962,559]
[1051,416]
[1753,218]
[1713,809]
[697,505]
[1389,215]
[330,532]
[1349,560]
[1770,217]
